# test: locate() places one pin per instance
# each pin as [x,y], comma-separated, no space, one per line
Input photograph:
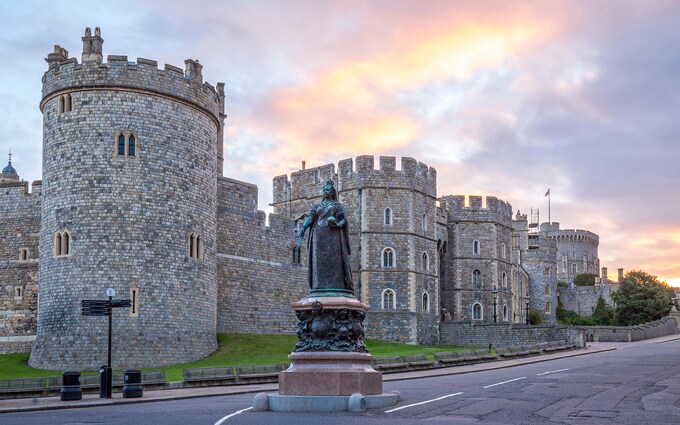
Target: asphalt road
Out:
[638,384]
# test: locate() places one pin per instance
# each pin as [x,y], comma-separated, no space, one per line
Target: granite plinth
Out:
[300,403]
[330,303]
[330,374]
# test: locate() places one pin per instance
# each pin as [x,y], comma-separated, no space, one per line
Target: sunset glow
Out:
[505,99]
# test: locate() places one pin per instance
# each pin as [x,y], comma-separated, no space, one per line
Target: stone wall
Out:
[577,251]
[662,327]
[583,299]
[16,344]
[19,230]
[475,334]
[257,278]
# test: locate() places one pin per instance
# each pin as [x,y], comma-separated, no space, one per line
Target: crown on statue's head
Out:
[329,183]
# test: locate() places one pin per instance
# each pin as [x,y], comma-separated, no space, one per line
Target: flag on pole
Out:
[547,193]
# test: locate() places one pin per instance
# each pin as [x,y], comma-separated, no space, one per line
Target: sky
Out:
[503,98]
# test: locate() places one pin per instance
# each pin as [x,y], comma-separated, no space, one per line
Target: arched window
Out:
[426,302]
[69,103]
[573,269]
[195,246]
[387,217]
[296,255]
[475,247]
[505,313]
[60,108]
[389,299]
[121,144]
[424,222]
[425,262]
[477,313]
[65,244]
[476,278]
[505,280]
[388,257]
[547,307]
[547,289]
[131,145]
[503,250]
[57,244]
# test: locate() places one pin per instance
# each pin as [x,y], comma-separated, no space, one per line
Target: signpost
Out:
[104,308]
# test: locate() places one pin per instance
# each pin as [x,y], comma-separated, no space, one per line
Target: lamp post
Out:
[494,291]
[526,300]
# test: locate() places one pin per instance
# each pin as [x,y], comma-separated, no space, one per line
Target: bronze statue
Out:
[328,244]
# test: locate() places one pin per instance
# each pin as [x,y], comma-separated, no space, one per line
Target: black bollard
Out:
[133,384]
[105,382]
[70,387]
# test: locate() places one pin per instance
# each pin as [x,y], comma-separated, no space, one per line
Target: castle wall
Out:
[257,278]
[657,328]
[19,227]
[583,299]
[479,334]
[129,217]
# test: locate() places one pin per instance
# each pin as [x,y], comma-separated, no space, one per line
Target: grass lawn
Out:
[233,349]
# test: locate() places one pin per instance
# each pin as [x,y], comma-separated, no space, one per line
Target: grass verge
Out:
[233,349]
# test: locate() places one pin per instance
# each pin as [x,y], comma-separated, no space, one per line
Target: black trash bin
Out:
[70,387]
[132,387]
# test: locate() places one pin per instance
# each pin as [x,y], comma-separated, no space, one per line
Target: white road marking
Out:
[551,371]
[422,402]
[233,414]
[505,382]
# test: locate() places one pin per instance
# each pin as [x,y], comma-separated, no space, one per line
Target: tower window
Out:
[134,298]
[425,223]
[126,144]
[18,292]
[476,278]
[195,246]
[296,255]
[425,262]
[503,251]
[505,313]
[62,244]
[477,312]
[573,269]
[547,289]
[23,254]
[388,257]
[504,280]
[387,217]
[389,299]
[475,247]
[547,307]
[426,302]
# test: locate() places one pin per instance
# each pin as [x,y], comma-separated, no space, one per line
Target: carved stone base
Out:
[330,324]
[330,373]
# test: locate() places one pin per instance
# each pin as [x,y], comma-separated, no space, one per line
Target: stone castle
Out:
[133,198]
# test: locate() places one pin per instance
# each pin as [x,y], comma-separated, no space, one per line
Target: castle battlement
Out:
[19,190]
[66,75]
[357,174]
[570,235]
[496,210]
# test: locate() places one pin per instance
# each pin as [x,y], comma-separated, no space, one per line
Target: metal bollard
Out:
[70,387]
[105,382]
[133,384]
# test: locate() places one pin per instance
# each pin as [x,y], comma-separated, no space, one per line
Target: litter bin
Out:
[105,382]
[70,387]
[132,387]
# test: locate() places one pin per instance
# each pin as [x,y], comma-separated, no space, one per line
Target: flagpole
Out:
[549,207]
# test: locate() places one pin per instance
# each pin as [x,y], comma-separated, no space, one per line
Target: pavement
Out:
[93,400]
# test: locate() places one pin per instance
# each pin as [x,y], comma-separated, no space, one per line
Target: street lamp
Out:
[526,300]
[494,291]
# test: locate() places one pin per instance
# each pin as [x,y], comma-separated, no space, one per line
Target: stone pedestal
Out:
[330,373]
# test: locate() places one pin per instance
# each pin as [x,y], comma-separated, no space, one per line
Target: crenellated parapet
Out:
[66,75]
[570,235]
[11,193]
[496,210]
[357,174]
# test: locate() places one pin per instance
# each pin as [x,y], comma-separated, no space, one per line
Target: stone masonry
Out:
[133,198]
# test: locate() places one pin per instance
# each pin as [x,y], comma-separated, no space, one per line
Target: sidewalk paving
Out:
[93,400]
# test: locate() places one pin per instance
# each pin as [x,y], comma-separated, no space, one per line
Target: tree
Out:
[641,298]
[584,279]
[604,314]
[535,317]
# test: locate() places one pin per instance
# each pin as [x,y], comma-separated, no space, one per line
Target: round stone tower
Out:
[131,155]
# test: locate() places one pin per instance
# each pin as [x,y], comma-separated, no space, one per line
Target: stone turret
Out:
[9,174]
[92,46]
